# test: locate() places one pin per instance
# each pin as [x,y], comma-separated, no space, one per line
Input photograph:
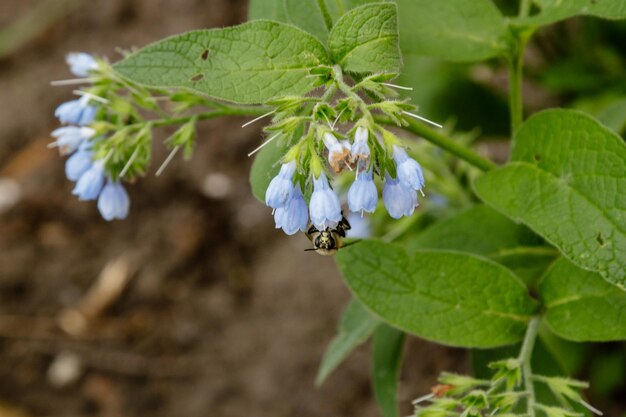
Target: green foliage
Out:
[386,361]
[567,183]
[356,326]
[365,32]
[488,307]
[266,165]
[581,306]
[249,63]
[551,11]
[455,30]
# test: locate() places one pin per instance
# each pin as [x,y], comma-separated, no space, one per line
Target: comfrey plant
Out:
[532,251]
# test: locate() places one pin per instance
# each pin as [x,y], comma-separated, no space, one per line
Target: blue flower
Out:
[360,227]
[69,138]
[77,164]
[399,199]
[113,202]
[324,208]
[90,183]
[360,152]
[363,195]
[294,215]
[78,112]
[81,63]
[281,188]
[409,171]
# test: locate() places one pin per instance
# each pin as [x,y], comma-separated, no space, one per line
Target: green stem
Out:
[328,20]
[443,142]
[224,111]
[524,8]
[525,356]
[516,107]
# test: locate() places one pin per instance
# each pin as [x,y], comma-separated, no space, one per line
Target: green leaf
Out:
[306,14]
[452,298]
[386,361]
[356,326]
[581,306]
[554,10]
[266,166]
[569,187]
[249,63]
[365,40]
[508,243]
[613,116]
[455,30]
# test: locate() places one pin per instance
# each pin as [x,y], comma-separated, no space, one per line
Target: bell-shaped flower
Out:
[113,202]
[81,63]
[409,171]
[360,227]
[69,138]
[77,164]
[324,207]
[399,199]
[294,215]
[90,184]
[363,195]
[337,151]
[281,187]
[78,112]
[360,152]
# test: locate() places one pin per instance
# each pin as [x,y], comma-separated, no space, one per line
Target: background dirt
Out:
[222,316]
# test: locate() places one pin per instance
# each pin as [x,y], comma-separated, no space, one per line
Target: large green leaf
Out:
[365,39]
[456,30]
[581,306]
[249,63]
[554,10]
[568,184]
[509,243]
[452,298]
[356,326]
[386,361]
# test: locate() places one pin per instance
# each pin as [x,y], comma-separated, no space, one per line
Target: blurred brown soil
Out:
[218,313]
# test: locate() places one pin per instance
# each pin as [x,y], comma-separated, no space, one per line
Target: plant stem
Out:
[516,62]
[328,20]
[524,8]
[223,111]
[524,357]
[443,142]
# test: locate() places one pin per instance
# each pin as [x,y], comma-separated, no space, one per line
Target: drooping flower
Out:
[294,215]
[69,138]
[90,183]
[281,187]
[337,151]
[324,207]
[360,227]
[113,202]
[409,171]
[77,164]
[363,195]
[360,153]
[81,63]
[78,112]
[399,199]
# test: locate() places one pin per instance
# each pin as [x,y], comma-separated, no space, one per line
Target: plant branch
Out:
[328,20]
[524,8]
[516,108]
[525,356]
[443,142]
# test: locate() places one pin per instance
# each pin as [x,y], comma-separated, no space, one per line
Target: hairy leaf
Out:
[581,306]
[386,361]
[455,30]
[249,63]
[365,39]
[356,326]
[452,298]
[554,10]
[568,186]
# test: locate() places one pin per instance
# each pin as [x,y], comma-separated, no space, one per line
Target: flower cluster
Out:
[78,139]
[402,178]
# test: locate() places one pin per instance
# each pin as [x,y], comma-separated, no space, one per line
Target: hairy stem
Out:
[222,111]
[328,20]
[443,142]
[524,357]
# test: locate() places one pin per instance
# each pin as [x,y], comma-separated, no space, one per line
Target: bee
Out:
[327,242]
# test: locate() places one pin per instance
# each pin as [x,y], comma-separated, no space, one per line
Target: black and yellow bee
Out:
[328,241]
